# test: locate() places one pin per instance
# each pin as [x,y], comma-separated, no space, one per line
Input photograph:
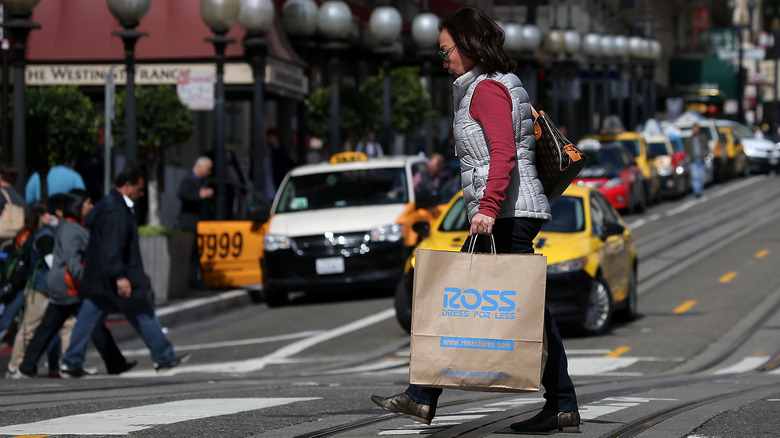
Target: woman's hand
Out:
[481,224]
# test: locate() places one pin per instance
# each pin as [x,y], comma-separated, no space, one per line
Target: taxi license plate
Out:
[330,265]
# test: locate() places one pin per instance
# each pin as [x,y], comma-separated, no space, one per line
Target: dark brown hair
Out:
[479,38]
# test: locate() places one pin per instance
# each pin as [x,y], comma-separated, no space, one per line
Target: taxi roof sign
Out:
[348,157]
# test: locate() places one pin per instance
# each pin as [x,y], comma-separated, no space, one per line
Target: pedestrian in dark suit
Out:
[192,193]
[114,277]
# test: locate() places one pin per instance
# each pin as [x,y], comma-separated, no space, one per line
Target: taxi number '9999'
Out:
[220,245]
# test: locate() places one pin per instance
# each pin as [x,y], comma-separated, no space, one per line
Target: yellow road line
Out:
[684,307]
[728,277]
[761,254]
[618,351]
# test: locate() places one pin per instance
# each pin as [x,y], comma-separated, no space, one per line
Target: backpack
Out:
[11,218]
[13,270]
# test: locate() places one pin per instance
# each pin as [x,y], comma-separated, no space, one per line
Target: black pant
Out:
[515,236]
[53,320]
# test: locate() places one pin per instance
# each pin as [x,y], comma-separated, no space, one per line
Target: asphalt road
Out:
[689,366]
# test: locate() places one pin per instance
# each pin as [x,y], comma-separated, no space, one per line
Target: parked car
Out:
[763,155]
[635,145]
[680,159]
[612,170]
[346,224]
[672,182]
[736,160]
[591,260]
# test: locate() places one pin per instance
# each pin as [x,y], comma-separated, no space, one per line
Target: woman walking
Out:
[495,143]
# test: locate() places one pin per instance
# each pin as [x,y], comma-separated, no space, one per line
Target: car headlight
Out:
[386,233]
[275,242]
[568,266]
[614,182]
[748,150]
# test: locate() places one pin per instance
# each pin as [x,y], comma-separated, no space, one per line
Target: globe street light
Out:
[256,17]
[129,14]
[334,21]
[425,33]
[220,16]
[385,26]
[20,27]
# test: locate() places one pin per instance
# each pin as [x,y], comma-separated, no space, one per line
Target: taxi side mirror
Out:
[422,228]
[612,229]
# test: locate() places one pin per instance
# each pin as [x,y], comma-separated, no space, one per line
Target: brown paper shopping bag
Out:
[478,321]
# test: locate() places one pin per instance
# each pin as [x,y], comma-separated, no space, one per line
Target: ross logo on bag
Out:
[489,304]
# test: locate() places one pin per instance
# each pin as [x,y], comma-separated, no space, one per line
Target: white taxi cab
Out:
[347,224]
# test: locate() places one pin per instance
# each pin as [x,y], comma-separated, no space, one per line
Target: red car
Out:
[612,169]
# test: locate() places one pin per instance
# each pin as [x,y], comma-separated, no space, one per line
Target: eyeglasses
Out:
[445,55]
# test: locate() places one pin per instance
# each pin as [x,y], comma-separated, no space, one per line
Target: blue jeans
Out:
[11,309]
[698,175]
[139,312]
[515,236]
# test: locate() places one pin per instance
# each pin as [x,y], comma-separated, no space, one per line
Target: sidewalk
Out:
[199,304]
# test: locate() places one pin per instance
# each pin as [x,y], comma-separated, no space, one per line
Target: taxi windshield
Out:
[632,146]
[339,189]
[608,157]
[568,216]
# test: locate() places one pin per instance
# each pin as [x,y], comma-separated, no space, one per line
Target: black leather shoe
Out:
[401,404]
[546,421]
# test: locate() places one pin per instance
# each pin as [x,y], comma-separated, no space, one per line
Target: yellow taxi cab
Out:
[634,142]
[591,260]
[347,224]
[736,159]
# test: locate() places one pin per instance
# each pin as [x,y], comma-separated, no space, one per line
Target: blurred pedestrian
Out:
[114,277]
[59,179]
[39,258]
[65,291]
[698,169]
[494,136]
[370,146]
[193,193]
[280,157]
[12,217]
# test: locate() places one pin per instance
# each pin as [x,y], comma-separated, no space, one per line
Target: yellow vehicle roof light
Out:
[348,157]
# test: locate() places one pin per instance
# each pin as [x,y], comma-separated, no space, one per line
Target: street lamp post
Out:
[425,33]
[334,21]
[532,38]
[740,19]
[129,14]
[299,20]
[20,27]
[592,47]
[385,25]
[572,44]
[555,45]
[220,16]
[636,52]
[256,17]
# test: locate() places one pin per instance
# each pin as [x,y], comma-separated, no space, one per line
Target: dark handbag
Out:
[558,161]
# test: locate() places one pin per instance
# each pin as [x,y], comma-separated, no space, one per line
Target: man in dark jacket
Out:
[114,276]
[193,194]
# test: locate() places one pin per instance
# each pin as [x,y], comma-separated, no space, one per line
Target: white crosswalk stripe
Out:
[124,421]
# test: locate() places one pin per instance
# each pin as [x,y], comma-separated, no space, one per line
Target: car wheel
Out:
[631,311]
[403,306]
[275,298]
[599,308]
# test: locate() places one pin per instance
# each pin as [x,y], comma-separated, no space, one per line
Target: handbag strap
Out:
[473,243]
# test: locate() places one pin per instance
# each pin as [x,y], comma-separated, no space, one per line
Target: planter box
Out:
[166,262]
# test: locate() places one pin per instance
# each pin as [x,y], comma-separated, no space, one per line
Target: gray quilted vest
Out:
[525,194]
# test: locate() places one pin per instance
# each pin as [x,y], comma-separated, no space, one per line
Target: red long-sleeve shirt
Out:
[491,106]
